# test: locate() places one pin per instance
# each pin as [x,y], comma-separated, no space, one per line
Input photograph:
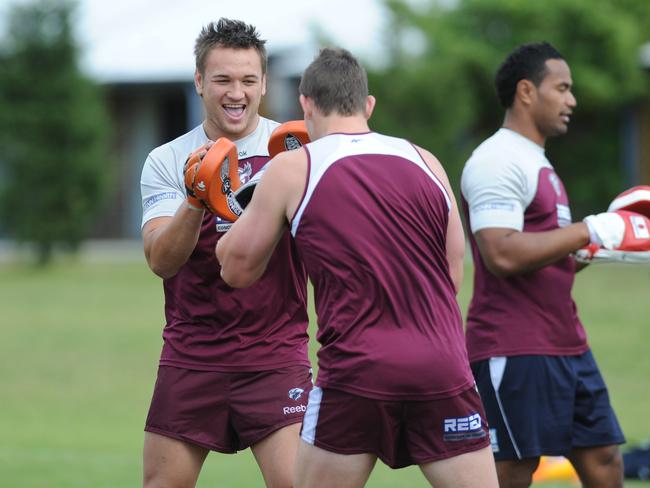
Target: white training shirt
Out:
[162,182]
[500,180]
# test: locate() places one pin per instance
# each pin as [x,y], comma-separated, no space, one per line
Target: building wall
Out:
[144,116]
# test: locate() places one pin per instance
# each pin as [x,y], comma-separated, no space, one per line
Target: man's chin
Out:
[560,130]
[236,130]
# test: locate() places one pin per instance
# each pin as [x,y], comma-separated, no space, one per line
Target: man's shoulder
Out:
[490,156]
[267,125]
[182,146]
[256,143]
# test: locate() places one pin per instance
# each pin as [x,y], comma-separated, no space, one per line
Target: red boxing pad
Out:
[633,248]
[636,199]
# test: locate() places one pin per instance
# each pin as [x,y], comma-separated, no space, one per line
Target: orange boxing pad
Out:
[288,136]
[636,199]
[217,178]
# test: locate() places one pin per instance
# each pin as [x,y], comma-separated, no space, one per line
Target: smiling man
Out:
[539,382]
[234,371]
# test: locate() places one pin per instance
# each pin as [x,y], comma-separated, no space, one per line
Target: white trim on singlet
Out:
[497,367]
[500,180]
[310,420]
[324,152]
[162,186]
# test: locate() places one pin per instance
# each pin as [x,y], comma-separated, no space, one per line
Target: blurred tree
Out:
[436,86]
[53,131]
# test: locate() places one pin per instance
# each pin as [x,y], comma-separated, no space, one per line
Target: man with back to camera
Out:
[539,382]
[234,370]
[378,229]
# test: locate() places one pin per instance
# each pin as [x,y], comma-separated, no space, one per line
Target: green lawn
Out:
[79,345]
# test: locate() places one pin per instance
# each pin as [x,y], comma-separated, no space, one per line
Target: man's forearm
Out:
[169,245]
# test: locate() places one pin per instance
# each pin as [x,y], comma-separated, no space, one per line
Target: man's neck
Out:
[523,126]
[332,124]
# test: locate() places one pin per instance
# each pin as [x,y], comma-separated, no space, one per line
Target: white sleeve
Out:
[163,191]
[496,194]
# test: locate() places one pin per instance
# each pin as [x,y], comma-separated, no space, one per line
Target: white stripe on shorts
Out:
[497,368]
[310,419]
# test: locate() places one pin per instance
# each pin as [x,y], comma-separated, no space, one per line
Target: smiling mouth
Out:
[234,110]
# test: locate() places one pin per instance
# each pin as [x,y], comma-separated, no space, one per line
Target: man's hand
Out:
[620,230]
[617,236]
[189,173]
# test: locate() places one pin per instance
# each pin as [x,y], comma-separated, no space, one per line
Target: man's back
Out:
[371,229]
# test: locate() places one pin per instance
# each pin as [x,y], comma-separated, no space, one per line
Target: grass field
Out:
[79,345]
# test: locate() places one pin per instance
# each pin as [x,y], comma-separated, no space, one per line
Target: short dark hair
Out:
[228,33]
[526,62]
[336,82]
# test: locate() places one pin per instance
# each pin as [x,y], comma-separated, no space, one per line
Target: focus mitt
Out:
[636,199]
[621,236]
[286,137]
[215,177]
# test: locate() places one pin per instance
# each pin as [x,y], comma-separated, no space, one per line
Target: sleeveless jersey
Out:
[508,182]
[211,326]
[371,229]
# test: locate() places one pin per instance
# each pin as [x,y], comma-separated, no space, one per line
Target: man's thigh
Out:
[467,470]
[320,468]
[276,456]
[169,462]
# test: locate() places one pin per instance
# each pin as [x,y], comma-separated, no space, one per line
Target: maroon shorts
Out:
[400,433]
[227,412]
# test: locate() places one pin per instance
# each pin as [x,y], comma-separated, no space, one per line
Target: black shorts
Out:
[545,405]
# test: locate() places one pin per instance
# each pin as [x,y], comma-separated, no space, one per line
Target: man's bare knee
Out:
[516,474]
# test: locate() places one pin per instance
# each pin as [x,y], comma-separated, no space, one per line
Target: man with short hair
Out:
[378,229]
[234,371]
[539,382]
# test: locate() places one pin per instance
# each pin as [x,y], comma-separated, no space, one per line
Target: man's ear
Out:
[264,84]
[370,105]
[307,106]
[526,91]
[198,83]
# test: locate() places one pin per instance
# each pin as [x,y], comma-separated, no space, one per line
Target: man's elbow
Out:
[501,266]
[162,268]
[239,278]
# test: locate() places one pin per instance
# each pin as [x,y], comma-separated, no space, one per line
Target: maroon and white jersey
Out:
[509,183]
[211,326]
[371,229]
